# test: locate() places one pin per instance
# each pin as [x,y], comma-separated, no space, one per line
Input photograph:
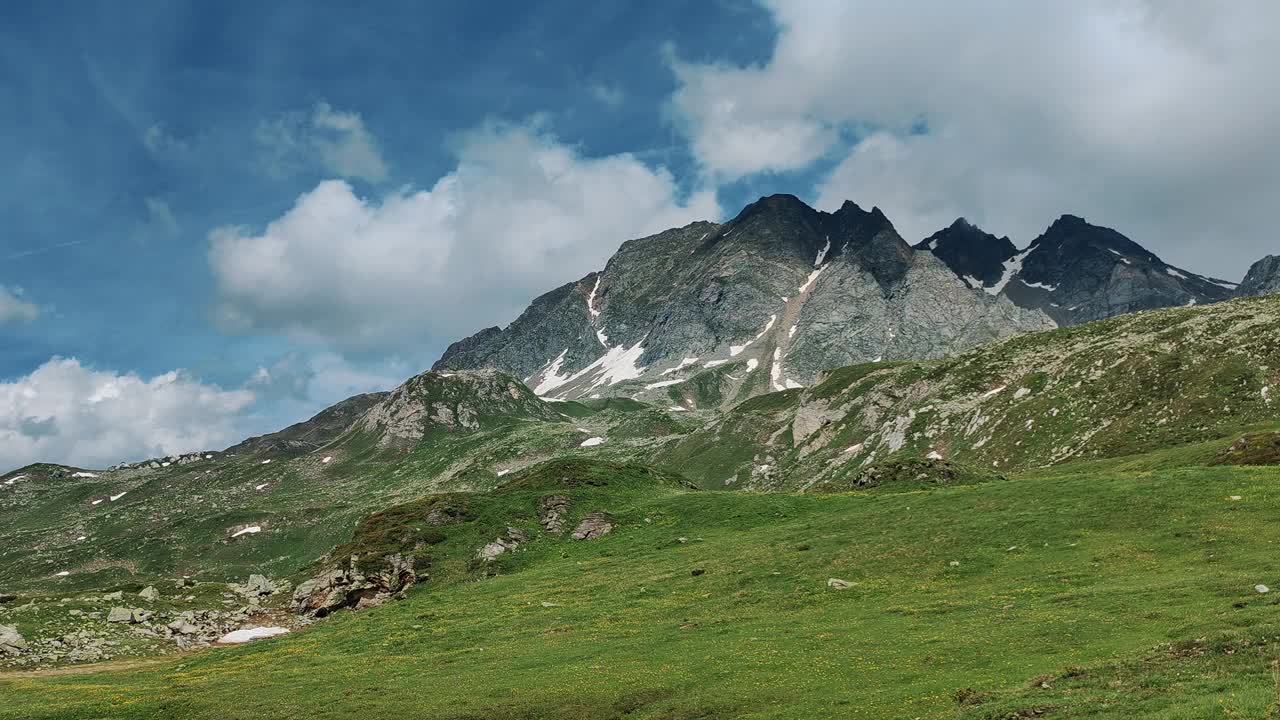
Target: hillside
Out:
[1097,591]
[1130,384]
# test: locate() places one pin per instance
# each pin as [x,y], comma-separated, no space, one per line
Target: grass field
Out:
[1119,589]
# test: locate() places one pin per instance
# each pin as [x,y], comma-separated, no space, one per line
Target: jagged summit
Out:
[711,314]
[1074,272]
[977,256]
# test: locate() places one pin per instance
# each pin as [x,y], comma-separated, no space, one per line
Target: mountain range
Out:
[717,313]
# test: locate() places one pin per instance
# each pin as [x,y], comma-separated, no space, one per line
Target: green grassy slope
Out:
[1119,589]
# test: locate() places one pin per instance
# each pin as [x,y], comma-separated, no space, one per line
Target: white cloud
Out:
[336,142]
[65,412]
[1157,118]
[163,144]
[520,214]
[14,309]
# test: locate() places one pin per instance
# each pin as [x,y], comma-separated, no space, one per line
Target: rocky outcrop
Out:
[1263,278]
[507,542]
[457,401]
[353,587]
[551,512]
[593,525]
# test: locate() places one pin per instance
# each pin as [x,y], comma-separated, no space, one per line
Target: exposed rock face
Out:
[593,525]
[11,643]
[1075,272]
[976,256]
[453,401]
[129,616]
[258,586]
[305,436]
[1263,278]
[763,302]
[351,587]
[551,512]
[507,542]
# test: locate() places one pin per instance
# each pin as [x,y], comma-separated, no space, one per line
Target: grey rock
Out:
[120,615]
[1263,278]
[715,293]
[113,596]
[11,642]
[150,594]
[593,525]
[347,586]
[551,512]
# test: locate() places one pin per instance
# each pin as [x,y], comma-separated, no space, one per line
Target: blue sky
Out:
[187,183]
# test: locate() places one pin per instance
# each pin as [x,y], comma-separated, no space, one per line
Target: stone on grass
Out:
[838,584]
[1262,588]
[150,594]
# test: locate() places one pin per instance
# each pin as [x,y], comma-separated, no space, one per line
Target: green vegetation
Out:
[1091,589]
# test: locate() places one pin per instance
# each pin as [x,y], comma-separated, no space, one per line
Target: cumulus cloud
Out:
[65,412]
[13,308]
[520,214]
[1157,118]
[336,142]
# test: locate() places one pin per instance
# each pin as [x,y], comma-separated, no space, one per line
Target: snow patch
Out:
[813,277]
[84,475]
[1042,286]
[267,461]
[502,472]
[245,635]
[64,573]
[677,408]
[551,377]
[971,281]
[684,363]
[15,479]
[752,364]
[734,350]
[1120,255]
[1021,393]
[822,254]
[933,455]
[1012,267]
[325,460]
[251,530]
[1222,283]
[714,363]
[114,498]
[259,488]
[792,332]
[1174,273]
[591,299]
[591,442]
[663,383]
[96,502]
[992,392]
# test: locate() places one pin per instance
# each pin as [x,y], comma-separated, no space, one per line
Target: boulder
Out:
[120,615]
[11,642]
[593,525]
[113,596]
[257,586]
[150,594]
[506,542]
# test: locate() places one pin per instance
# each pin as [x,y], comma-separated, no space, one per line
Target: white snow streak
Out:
[591,299]
[822,254]
[1012,267]
[114,498]
[1042,286]
[592,442]
[663,383]
[752,364]
[84,475]
[1174,273]
[1120,255]
[686,362]
[813,276]
[735,349]
[251,530]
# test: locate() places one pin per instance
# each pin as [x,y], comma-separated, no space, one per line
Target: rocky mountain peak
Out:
[976,256]
[1263,278]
